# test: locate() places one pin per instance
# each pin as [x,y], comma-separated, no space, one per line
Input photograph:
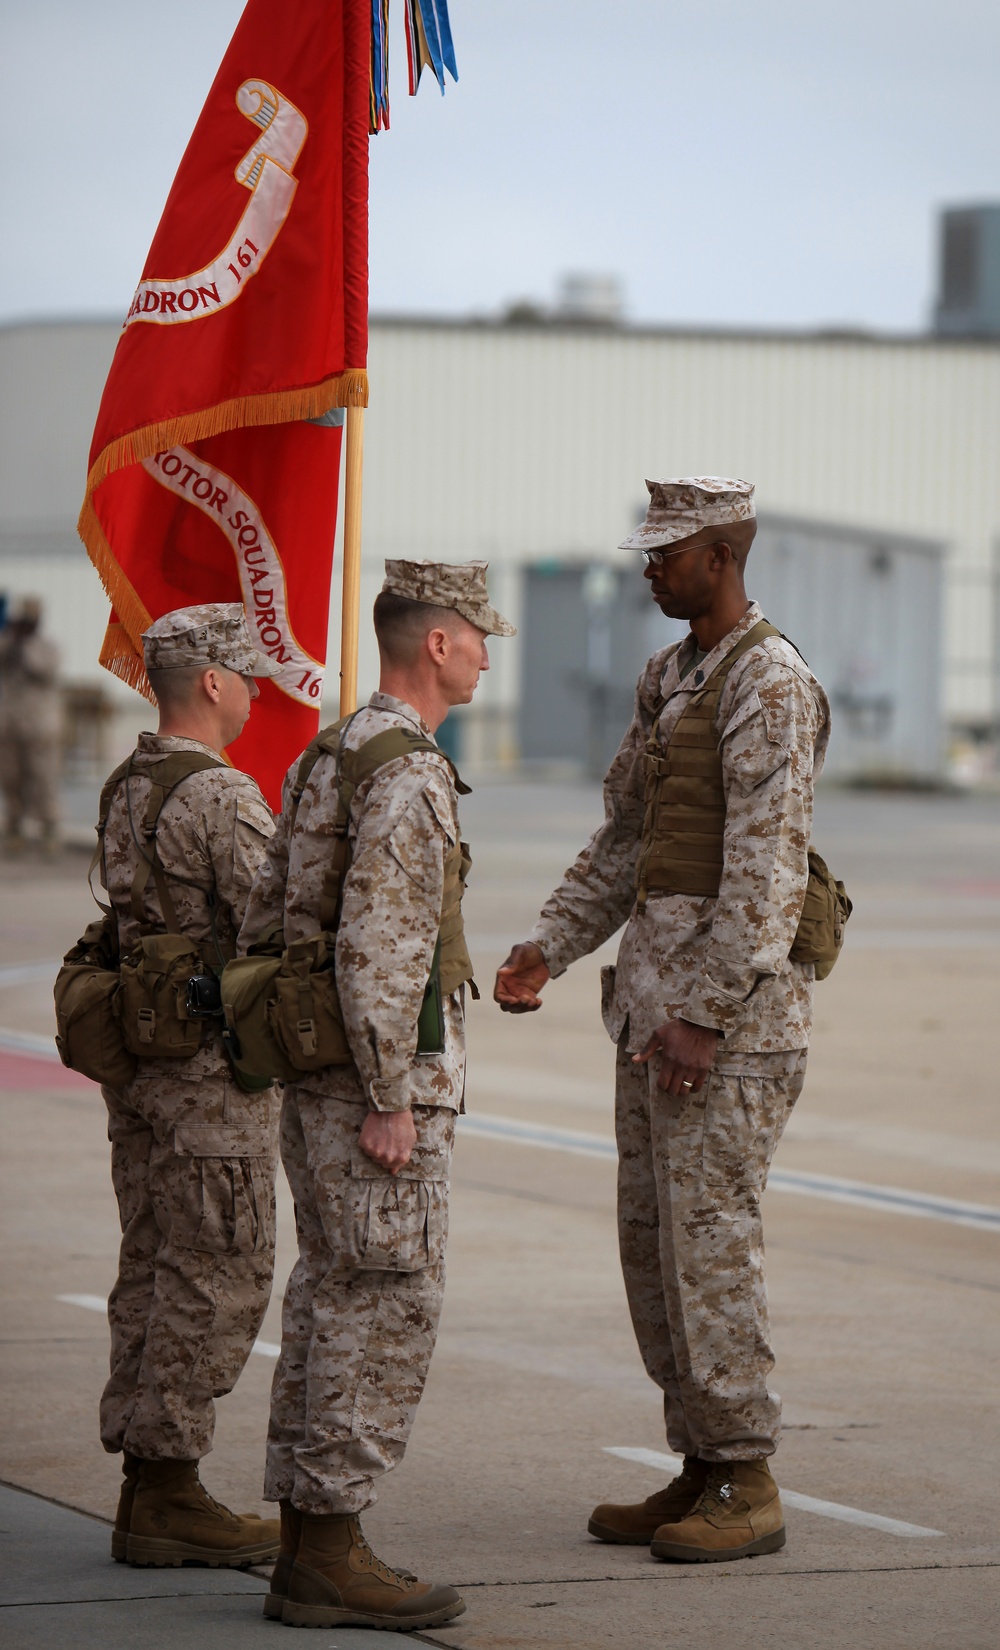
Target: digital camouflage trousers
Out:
[362,1305]
[195,1196]
[691,1173]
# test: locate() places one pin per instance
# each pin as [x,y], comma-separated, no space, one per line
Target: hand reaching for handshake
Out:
[520,979]
[687,1051]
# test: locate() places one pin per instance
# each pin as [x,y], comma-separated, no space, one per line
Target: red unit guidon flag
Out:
[215,460]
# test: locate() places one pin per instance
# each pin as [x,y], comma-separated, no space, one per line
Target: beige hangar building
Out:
[526,440]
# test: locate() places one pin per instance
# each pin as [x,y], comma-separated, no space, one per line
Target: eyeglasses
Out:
[653,558]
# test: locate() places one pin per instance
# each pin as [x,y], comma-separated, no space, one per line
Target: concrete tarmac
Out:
[883,1227]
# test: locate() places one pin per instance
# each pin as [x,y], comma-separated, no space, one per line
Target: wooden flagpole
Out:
[350,613]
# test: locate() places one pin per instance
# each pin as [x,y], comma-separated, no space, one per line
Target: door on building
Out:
[585,640]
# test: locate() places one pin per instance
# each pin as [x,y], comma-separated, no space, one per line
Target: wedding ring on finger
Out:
[687,1085]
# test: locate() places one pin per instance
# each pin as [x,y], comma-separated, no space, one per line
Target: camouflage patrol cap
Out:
[458,585]
[684,506]
[215,633]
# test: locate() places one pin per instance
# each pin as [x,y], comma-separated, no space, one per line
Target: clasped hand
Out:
[388,1138]
[687,1055]
[520,979]
[687,1051]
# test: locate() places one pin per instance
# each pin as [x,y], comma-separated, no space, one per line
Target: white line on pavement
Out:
[97,1303]
[90,1303]
[806,1503]
[33,1043]
[886,1199]
[25,973]
[492,1127]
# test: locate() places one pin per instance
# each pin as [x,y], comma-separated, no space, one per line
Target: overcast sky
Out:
[764,162]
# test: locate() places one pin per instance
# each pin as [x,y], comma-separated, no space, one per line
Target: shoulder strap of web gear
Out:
[713,684]
[353,767]
[360,764]
[108,789]
[165,773]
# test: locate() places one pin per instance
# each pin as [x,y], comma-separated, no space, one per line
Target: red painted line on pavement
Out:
[25,1073]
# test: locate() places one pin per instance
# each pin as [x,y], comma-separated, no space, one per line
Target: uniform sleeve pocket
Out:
[753,749]
[255,814]
[397,1223]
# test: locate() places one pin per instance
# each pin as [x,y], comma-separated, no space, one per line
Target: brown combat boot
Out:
[636,1525]
[738,1514]
[175,1521]
[123,1517]
[291,1531]
[337,1581]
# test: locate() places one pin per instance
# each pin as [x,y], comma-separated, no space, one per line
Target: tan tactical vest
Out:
[685,821]
[683,832]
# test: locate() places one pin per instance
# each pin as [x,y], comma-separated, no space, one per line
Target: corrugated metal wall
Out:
[525,442]
[515,443]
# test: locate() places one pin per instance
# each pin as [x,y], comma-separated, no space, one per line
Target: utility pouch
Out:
[248,993]
[86,992]
[153,1003]
[282,1011]
[430,1022]
[305,1012]
[819,937]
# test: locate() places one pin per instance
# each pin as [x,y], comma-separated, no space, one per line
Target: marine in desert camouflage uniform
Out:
[193,1157]
[367,1146]
[711,1019]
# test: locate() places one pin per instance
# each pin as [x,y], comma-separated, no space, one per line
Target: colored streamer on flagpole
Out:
[429,45]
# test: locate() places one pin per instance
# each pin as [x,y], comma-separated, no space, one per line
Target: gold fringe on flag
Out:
[122,650]
[348,389]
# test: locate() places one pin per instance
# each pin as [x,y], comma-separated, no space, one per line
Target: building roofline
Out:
[561,326]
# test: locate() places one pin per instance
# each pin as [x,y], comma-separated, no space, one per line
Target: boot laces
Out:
[684,1481]
[719,1491]
[215,1505]
[385,1572]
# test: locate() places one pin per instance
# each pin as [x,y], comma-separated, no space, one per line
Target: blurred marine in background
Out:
[703,852]
[30,726]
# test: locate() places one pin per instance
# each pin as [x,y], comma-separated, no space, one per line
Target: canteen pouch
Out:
[305,1009]
[256,1056]
[88,1028]
[282,1012]
[819,937]
[153,1004]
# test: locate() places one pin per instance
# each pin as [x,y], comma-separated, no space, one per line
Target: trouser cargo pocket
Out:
[744,1116]
[397,1223]
[218,1183]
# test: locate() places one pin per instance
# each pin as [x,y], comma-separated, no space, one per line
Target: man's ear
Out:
[722,554]
[211,686]
[436,642]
